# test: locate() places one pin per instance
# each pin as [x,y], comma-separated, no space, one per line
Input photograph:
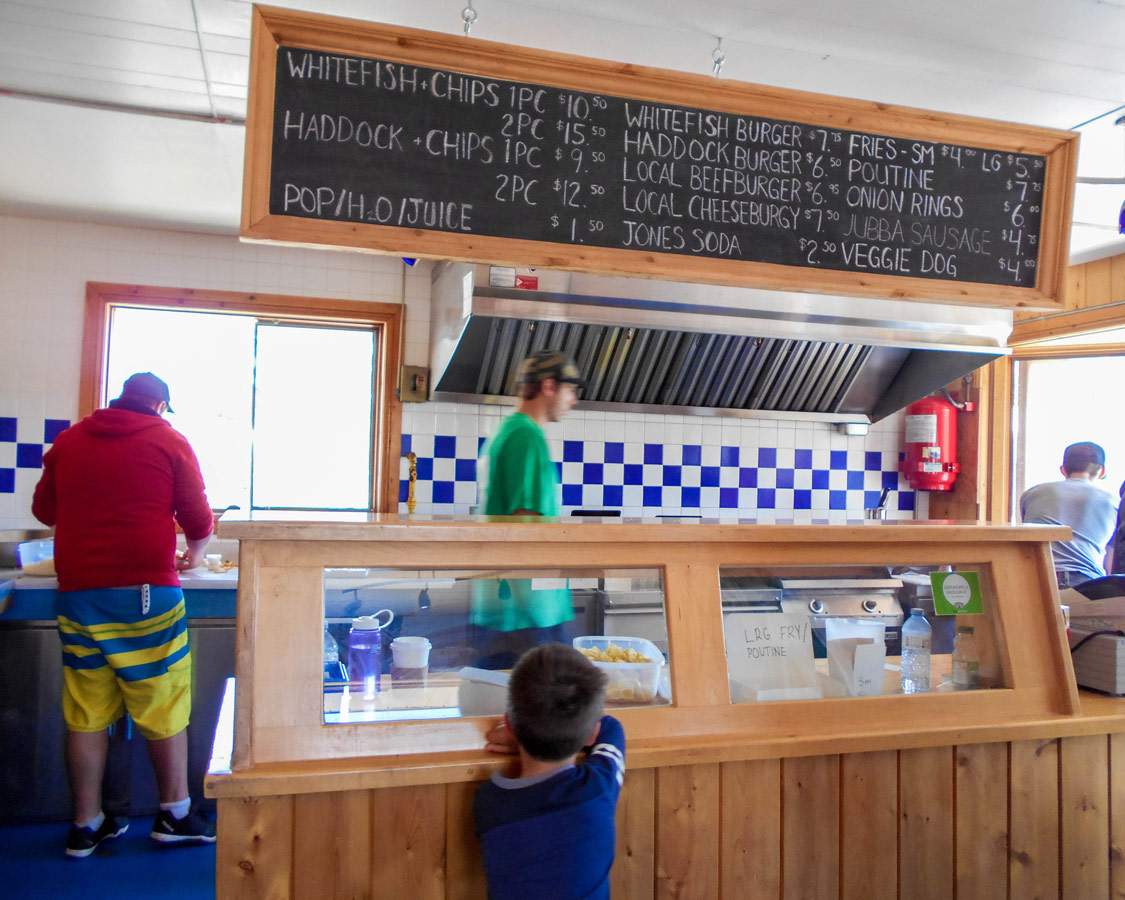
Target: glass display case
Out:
[405,644]
[814,632]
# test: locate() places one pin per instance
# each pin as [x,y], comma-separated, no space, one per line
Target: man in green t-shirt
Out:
[517,478]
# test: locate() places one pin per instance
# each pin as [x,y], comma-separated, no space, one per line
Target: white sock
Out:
[179,809]
[94,824]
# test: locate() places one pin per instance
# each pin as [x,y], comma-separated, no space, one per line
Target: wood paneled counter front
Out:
[1004,792]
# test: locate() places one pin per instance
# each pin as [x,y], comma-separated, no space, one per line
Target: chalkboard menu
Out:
[412,142]
[379,142]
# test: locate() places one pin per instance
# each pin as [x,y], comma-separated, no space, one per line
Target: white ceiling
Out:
[81,79]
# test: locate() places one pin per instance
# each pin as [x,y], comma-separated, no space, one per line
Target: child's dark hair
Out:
[555,698]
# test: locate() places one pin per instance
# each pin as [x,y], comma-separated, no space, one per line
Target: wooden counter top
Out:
[307,526]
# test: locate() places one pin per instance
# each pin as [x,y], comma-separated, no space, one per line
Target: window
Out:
[1065,390]
[288,402]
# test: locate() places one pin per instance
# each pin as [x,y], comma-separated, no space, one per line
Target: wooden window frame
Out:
[387,319]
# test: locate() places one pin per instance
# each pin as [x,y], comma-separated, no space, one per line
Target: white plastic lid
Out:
[367,623]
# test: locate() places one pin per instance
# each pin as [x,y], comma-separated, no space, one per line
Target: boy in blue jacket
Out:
[548,832]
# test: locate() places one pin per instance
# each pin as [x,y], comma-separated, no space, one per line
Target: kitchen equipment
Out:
[702,349]
[10,541]
[852,598]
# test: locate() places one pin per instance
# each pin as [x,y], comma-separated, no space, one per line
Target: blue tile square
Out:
[820,478]
[7,481]
[480,444]
[614,452]
[671,476]
[445,447]
[767,458]
[838,459]
[709,476]
[872,461]
[837,499]
[689,498]
[572,451]
[802,499]
[443,492]
[406,439]
[403,489]
[634,473]
[902,457]
[802,459]
[52,428]
[785,478]
[728,456]
[591,473]
[29,456]
[654,454]
[906,500]
[612,495]
[855,481]
[424,466]
[766,498]
[890,480]
[572,495]
[871,499]
[728,498]
[465,470]
[693,454]
[7,428]
[558,472]
[747,477]
[652,496]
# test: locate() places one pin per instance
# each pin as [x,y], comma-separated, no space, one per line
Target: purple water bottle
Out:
[365,653]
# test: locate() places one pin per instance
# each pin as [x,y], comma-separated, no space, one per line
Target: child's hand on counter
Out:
[501,739]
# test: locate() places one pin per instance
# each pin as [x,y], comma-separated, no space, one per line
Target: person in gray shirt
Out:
[1080,504]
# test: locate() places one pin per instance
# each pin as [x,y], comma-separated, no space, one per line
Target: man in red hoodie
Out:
[114,485]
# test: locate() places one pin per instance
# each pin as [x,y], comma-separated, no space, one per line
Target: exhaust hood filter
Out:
[650,354]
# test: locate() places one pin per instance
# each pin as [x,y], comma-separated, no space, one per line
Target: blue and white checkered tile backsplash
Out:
[649,479]
[22,445]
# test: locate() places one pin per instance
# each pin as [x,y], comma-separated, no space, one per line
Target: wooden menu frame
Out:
[273,27]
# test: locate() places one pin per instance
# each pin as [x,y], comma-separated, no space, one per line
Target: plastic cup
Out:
[410,661]
[213,561]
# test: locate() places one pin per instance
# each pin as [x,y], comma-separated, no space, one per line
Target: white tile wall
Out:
[45,264]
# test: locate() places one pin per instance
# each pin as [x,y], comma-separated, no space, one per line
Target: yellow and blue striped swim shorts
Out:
[120,656]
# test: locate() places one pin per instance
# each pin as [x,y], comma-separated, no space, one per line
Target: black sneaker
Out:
[192,828]
[84,841]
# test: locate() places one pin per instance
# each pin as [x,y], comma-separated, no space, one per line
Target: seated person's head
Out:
[1084,458]
[555,699]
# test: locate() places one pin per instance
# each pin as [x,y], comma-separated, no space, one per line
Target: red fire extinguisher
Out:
[931,445]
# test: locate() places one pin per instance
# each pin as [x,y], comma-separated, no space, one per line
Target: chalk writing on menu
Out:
[369,141]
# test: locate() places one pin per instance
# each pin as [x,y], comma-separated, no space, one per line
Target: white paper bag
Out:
[857,653]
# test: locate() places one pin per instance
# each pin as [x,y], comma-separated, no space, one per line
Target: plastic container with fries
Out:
[632,665]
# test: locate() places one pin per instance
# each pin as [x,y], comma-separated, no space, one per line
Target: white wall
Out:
[44,267]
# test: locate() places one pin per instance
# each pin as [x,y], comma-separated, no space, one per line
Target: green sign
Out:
[956,593]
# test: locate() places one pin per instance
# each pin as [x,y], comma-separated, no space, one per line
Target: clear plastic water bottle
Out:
[916,653]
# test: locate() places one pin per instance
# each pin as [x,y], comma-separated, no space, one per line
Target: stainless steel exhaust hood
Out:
[700,349]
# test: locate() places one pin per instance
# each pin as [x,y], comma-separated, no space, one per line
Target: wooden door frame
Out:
[387,319]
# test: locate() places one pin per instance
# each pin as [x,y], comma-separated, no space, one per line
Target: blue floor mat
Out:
[131,867]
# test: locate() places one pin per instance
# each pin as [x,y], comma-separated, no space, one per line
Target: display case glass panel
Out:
[812,632]
[412,644]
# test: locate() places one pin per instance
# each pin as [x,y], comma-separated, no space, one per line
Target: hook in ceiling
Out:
[718,57]
[469,17]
